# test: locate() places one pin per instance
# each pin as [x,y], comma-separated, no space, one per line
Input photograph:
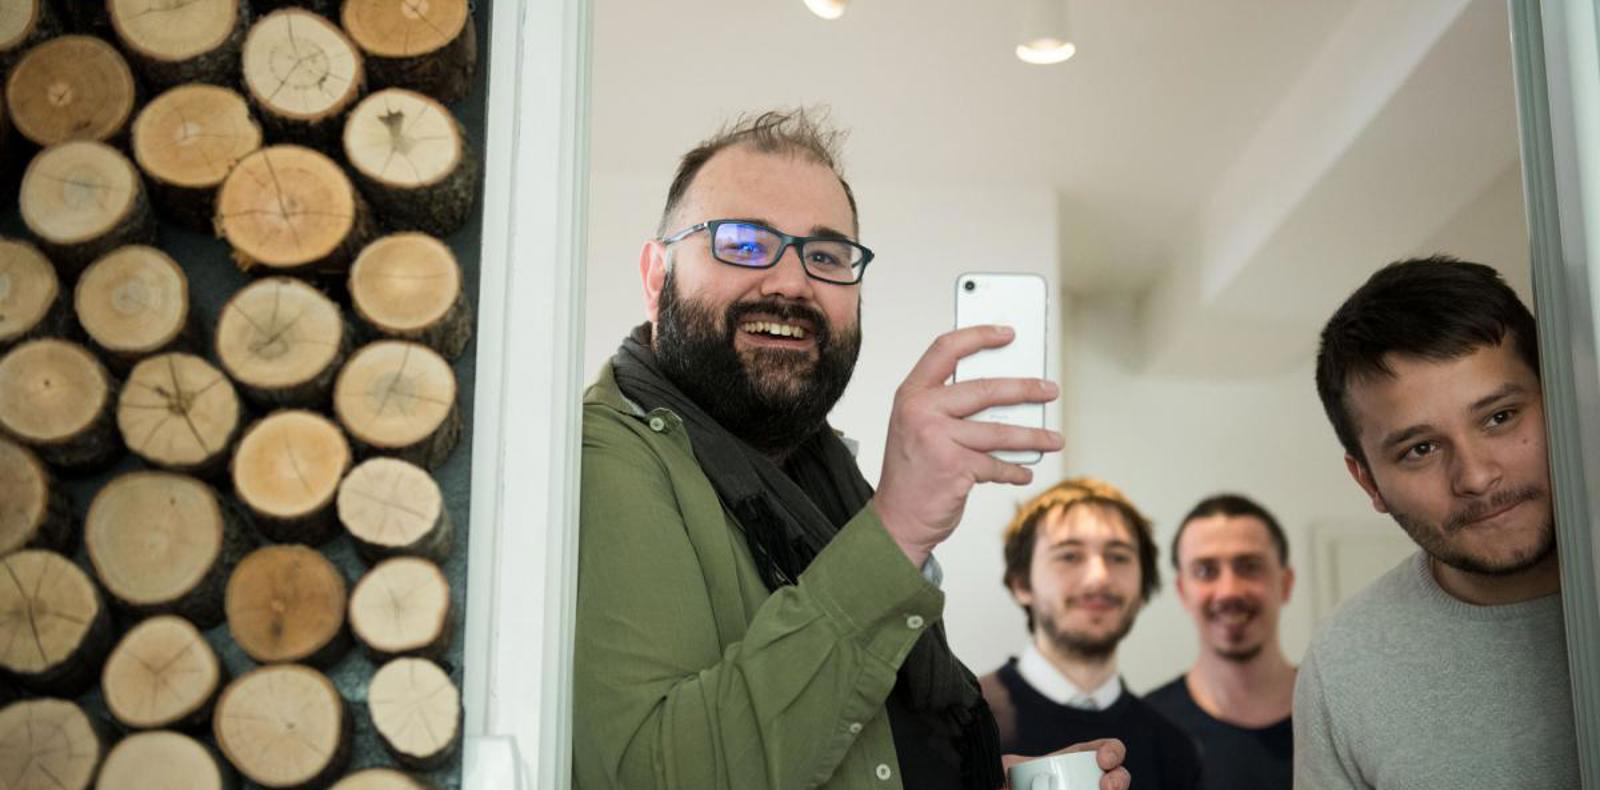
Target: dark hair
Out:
[799,131]
[1234,506]
[1023,530]
[1435,308]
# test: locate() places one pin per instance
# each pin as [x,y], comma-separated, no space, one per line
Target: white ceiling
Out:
[1237,164]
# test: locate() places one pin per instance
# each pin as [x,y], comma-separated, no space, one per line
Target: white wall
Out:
[1167,442]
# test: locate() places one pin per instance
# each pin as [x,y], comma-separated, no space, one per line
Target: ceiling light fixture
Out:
[1045,37]
[827,9]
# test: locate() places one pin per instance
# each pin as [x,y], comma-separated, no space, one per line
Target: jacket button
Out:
[855,728]
[658,424]
[914,621]
[883,772]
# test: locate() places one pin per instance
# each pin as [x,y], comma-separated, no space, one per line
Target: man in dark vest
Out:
[1081,562]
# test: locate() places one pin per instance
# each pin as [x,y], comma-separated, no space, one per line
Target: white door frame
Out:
[1556,57]
[522,554]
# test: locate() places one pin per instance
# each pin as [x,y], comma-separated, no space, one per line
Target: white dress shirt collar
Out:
[1043,677]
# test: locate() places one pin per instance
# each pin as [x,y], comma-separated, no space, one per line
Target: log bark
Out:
[416,710]
[24,23]
[164,543]
[31,300]
[71,88]
[410,156]
[163,674]
[179,413]
[81,200]
[303,75]
[134,303]
[283,342]
[284,727]
[394,508]
[186,141]
[286,472]
[381,779]
[35,512]
[427,47]
[291,210]
[44,595]
[402,608]
[164,759]
[287,603]
[58,399]
[173,43]
[408,286]
[399,398]
[49,744]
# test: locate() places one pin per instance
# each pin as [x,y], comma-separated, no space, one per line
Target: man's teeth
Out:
[773,328]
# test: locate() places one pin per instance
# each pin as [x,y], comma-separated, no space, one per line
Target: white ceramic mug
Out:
[1071,771]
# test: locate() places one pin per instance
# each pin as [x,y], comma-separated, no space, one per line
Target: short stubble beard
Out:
[1434,538]
[773,399]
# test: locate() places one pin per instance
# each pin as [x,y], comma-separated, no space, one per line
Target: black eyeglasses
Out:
[751,245]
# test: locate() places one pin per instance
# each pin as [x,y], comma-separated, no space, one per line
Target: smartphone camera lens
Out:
[970,285]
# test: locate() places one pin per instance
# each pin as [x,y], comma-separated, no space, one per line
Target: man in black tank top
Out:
[1233,570]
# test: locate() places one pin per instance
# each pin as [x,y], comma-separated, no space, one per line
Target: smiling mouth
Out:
[1490,516]
[775,329]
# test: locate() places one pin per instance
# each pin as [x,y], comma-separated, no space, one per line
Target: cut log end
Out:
[426,46]
[29,289]
[82,195]
[287,603]
[287,470]
[179,413]
[402,607]
[162,30]
[48,744]
[34,512]
[55,397]
[283,341]
[153,537]
[393,507]
[290,209]
[133,302]
[162,674]
[408,286]
[283,727]
[18,21]
[409,155]
[399,398]
[380,779]
[416,710]
[162,759]
[70,88]
[43,595]
[300,68]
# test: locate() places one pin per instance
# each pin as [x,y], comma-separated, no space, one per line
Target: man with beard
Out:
[1450,670]
[1081,562]
[751,614]
[1233,577]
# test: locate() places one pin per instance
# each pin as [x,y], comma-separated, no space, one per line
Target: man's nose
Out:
[1228,585]
[1474,468]
[787,277]
[1095,570]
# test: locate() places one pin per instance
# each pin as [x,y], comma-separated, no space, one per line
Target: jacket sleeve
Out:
[661,702]
[1321,760]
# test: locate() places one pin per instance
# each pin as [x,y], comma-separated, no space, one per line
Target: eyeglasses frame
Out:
[797,242]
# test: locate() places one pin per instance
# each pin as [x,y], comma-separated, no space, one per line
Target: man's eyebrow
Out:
[1511,388]
[1080,543]
[829,233]
[1405,435]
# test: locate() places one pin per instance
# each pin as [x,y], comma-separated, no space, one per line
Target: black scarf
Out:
[788,515]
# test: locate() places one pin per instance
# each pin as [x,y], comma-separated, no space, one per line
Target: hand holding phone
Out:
[1019,301]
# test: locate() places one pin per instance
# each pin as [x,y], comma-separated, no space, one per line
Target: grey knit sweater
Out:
[1408,688]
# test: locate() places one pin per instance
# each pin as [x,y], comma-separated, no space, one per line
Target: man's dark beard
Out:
[781,397]
[1241,655]
[1084,646]
[1432,538]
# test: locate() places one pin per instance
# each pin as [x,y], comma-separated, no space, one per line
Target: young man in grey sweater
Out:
[1450,671]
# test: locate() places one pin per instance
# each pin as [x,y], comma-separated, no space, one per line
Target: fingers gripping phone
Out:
[1020,302]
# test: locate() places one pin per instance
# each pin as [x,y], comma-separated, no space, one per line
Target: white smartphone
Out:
[1019,301]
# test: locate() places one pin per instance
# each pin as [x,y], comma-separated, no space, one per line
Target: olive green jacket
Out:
[690,674]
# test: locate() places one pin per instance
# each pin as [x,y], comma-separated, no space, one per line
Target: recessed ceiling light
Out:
[1045,51]
[827,9]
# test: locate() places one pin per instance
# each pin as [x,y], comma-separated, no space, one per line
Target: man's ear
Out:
[1363,477]
[1288,583]
[653,275]
[1020,592]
